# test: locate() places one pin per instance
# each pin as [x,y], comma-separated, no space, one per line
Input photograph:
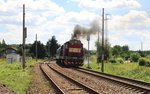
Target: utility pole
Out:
[102,69]
[141,46]
[106,38]
[49,51]
[98,49]
[36,48]
[24,36]
[88,39]
[142,53]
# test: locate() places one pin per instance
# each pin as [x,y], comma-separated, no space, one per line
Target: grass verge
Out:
[14,77]
[130,70]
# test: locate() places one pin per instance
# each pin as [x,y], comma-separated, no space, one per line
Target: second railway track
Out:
[135,85]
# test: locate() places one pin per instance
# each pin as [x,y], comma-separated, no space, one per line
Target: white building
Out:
[13,57]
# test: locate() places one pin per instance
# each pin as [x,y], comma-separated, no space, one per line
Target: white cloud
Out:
[98,4]
[130,28]
[37,10]
[12,34]
[37,13]
[46,18]
[83,17]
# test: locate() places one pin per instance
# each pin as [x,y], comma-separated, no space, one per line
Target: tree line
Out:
[48,50]
[120,54]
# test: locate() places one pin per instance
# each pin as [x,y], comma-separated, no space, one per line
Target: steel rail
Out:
[85,87]
[135,84]
[53,82]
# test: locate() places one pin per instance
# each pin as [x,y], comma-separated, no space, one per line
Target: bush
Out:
[135,57]
[113,60]
[148,63]
[119,60]
[142,61]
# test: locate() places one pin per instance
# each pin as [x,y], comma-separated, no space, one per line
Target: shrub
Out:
[119,60]
[148,63]
[135,57]
[142,61]
[113,60]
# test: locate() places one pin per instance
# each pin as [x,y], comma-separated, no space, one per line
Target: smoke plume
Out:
[80,31]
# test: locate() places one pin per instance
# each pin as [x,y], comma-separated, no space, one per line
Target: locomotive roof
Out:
[72,40]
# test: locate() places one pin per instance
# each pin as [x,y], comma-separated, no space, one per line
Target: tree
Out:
[40,48]
[106,50]
[3,45]
[3,42]
[125,52]
[135,56]
[125,48]
[52,46]
[116,50]
[20,49]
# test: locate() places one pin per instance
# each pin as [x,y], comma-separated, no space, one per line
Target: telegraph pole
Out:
[141,46]
[49,51]
[24,36]
[98,51]
[88,39]
[36,48]
[106,38]
[102,69]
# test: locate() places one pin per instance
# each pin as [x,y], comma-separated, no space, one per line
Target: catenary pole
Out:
[36,48]
[102,69]
[23,44]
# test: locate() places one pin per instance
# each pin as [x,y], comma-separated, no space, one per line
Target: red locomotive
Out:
[70,53]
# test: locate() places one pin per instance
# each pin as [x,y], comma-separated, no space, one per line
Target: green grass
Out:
[130,70]
[14,77]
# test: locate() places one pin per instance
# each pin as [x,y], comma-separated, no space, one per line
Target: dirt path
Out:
[39,84]
[5,90]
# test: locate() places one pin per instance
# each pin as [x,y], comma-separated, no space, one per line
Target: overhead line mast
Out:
[24,37]
[102,69]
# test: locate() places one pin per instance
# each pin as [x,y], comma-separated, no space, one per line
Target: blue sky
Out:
[129,22]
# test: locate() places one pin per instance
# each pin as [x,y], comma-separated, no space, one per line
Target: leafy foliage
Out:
[135,57]
[3,45]
[119,60]
[130,70]
[106,50]
[52,46]
[116,50]
[112,60]
[41,51]
[144,62]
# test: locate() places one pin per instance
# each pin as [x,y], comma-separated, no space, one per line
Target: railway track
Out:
[64,84]
[135,85]
[102,86]
[55,86]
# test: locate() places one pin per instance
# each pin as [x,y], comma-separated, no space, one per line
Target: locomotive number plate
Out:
[75,50]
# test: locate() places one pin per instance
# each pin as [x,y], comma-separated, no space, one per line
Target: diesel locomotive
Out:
[70,53]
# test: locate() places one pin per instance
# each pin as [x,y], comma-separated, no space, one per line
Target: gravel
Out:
[67,86]
[101,85]
[5,90]
[39,84]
